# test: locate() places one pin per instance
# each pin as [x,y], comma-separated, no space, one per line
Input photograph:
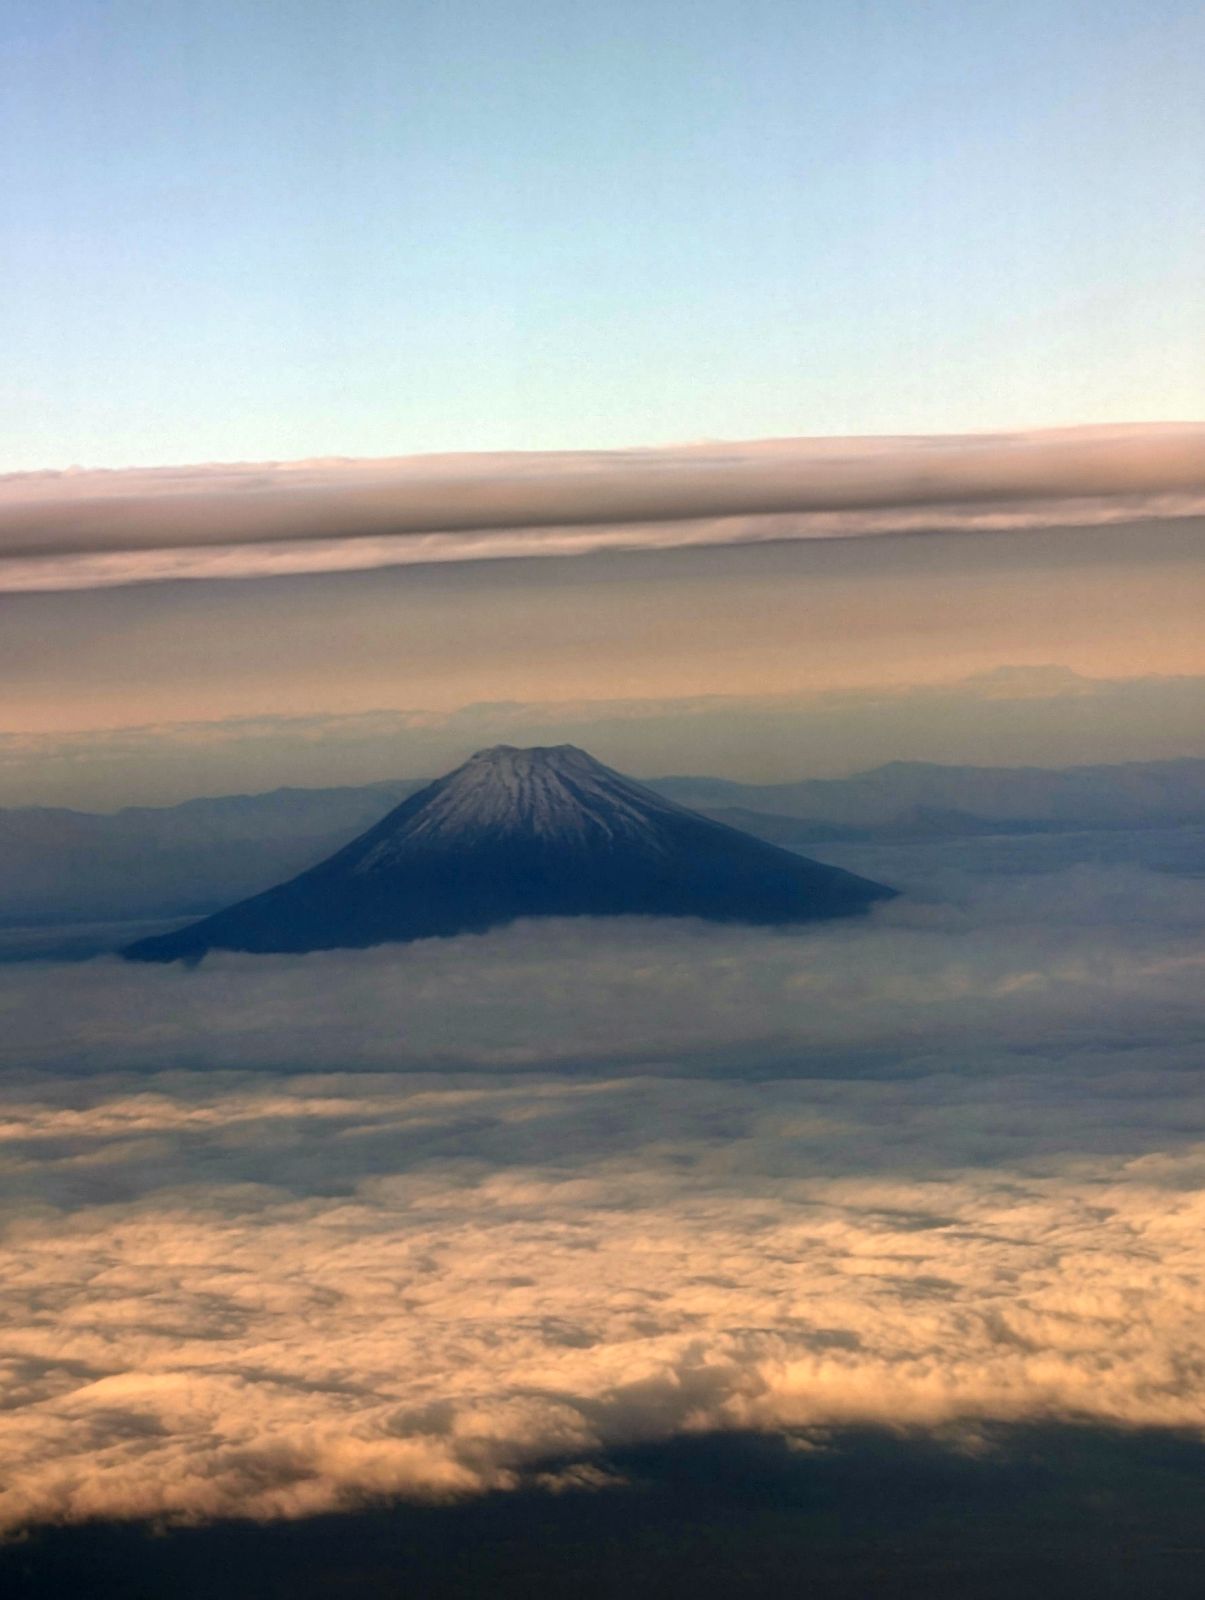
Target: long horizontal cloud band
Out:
[88,514]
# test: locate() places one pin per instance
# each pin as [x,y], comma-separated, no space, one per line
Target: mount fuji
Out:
[545,832]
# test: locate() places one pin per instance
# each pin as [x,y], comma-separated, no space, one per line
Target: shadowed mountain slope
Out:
[524,833]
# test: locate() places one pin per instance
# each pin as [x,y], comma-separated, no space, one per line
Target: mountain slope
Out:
[173,862]
[522,833]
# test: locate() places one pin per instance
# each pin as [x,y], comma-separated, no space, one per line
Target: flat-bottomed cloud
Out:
[83,529]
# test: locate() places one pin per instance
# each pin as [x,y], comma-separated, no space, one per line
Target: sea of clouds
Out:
[285,1234]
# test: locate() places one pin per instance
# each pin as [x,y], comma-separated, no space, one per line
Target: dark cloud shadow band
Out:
[83,513]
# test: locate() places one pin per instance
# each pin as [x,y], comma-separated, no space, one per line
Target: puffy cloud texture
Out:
[286,1234]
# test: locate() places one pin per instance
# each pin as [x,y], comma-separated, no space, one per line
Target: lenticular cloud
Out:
[86,529]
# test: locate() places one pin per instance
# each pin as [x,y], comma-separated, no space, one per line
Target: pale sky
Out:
[349,227]
[304,230]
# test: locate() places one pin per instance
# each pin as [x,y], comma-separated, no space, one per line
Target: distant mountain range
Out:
[904,794]
[518,833]
[59,865]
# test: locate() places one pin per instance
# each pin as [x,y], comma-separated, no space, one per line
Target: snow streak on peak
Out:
[554,793]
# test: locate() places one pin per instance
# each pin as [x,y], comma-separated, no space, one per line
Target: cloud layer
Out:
[577,1185]
[84,529]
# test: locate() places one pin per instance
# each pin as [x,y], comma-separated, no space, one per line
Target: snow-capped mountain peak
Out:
[550,792]
[546,832]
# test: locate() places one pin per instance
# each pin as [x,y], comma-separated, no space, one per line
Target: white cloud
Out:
[247,1349]
[943,1166]
[1095,949]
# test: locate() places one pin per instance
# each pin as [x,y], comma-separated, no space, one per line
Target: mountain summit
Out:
[547,832]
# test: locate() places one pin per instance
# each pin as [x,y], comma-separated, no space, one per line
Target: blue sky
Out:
[303,228]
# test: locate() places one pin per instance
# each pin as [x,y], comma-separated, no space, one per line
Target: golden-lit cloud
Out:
[944,1167]
[250,1351]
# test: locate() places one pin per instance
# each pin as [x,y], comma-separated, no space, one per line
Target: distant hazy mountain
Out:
[177,861]
[524,833]
[163,861]
[1135,794]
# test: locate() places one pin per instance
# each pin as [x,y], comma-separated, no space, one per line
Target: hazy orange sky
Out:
[788,620]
